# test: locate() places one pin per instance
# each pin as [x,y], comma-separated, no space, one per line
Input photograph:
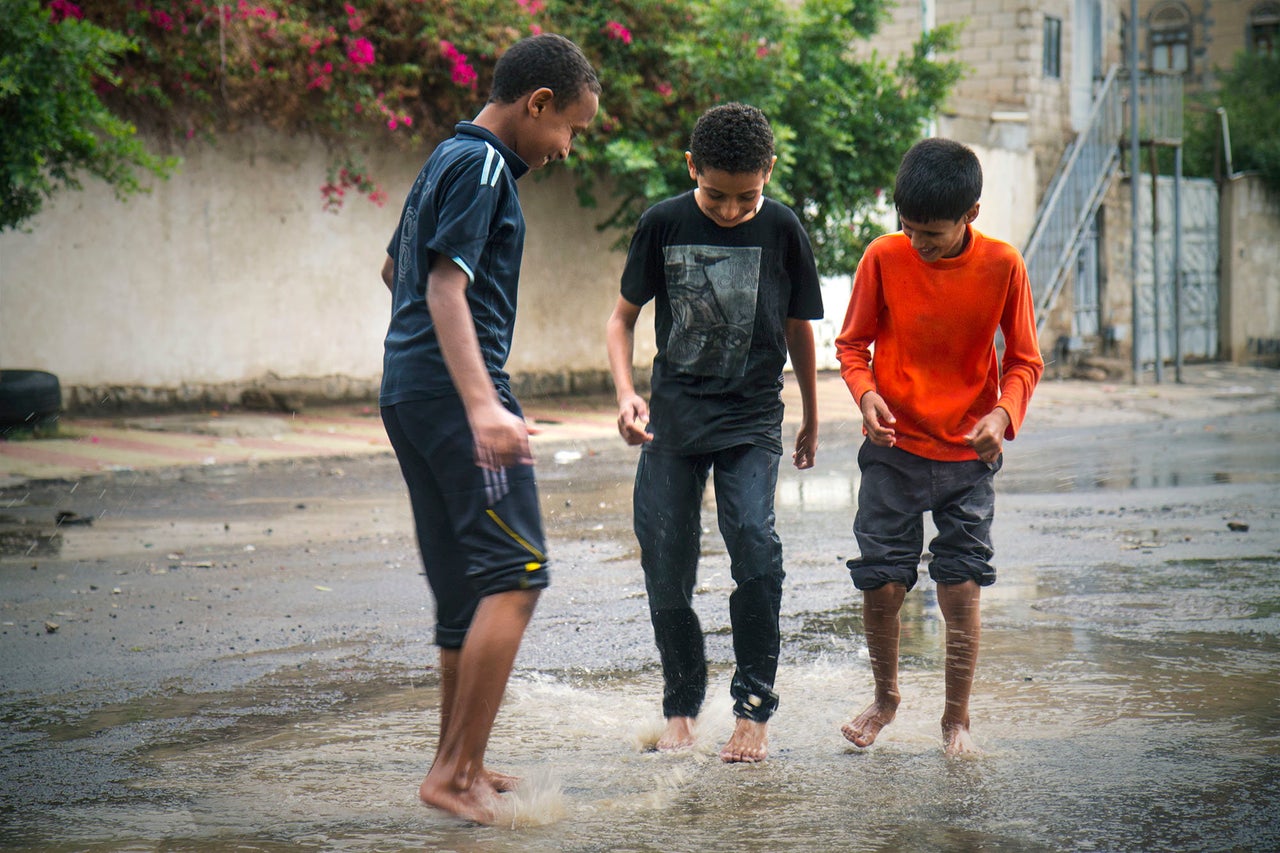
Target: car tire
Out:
[28,397]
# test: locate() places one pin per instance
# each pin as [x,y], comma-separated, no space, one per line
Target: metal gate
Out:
[1197,302]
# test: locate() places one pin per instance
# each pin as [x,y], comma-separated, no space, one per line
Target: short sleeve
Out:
[643,272]
[466,201]
[806,289]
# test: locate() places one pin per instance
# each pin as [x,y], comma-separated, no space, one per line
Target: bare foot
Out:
[479,803]
[677,735]
[956,740]
[501,782]
[863,729]
[748,743]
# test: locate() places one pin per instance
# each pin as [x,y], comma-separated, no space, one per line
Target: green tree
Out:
[1247,92]
[842,121]
[55,125]
[365,70]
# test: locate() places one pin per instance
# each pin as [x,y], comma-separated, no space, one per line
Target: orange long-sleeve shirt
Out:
[922,335]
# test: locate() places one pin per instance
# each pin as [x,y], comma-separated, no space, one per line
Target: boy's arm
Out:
[853,350]
[389,273]
[1022,365]
[620,335]
[1020,371]
[501,438]
[804,368]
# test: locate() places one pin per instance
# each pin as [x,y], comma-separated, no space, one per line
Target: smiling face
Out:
[549,128]
[728,198]
[936,239]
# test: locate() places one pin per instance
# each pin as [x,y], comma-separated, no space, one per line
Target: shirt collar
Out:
[517,166]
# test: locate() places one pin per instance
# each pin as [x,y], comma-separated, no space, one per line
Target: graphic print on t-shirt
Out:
[408,239]
[712,290]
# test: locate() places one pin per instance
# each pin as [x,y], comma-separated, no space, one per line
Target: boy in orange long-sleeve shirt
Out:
[937,404]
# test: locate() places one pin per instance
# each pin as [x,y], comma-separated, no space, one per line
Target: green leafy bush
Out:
[362,70]
[55,124]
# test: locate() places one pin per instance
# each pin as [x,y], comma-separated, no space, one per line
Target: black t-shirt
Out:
[721,297]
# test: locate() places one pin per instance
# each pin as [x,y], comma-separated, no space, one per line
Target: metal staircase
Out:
[1073,197]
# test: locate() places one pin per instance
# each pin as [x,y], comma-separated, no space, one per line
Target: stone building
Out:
[1045,103]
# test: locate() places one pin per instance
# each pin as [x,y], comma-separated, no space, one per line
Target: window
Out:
[1170,34]
[1264,29]
[1052,47]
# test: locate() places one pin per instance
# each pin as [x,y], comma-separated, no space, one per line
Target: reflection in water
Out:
[829,491]
[1141,717]
[1147,456]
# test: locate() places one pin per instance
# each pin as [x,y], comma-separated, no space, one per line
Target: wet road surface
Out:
[239,657]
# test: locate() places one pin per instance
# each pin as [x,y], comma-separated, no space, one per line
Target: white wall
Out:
[231,275]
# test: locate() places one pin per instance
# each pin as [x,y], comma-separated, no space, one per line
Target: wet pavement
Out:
[215,655]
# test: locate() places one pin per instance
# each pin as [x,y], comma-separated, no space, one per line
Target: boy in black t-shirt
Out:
[734,286]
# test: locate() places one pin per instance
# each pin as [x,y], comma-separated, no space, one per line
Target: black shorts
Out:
[480,532]
[897,489]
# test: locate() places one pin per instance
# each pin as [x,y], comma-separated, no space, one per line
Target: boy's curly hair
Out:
[546,60]
[734,138]
[938,179]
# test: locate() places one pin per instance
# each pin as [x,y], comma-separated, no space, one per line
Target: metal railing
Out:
[1160,108]
[1088,166]
[1074,197]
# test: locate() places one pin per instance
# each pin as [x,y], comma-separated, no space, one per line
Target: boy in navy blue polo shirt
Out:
[452,267]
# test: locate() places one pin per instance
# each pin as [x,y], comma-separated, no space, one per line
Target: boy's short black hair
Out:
[734,138]
[545,60]
[938,179]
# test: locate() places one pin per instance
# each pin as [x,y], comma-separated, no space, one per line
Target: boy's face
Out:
[936,239]
[551,126]
[728,198]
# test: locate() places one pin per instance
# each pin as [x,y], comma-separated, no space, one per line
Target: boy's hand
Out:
[806,446]
[987,435]
[633,416]
[501,439]
[878,420]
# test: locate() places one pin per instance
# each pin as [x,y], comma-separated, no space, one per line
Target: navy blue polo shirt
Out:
[464,205]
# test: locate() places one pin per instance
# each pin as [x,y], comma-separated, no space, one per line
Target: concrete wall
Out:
[230,277]
[1249,311]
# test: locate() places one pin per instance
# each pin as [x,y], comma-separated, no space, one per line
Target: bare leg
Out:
[960,607]
[457,782]
[748,743]
[880,609]
[448,689]
[677,735]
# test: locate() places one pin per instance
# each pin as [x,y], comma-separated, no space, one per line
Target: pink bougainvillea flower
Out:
[354,21]
[161,19]
[762,51]
[618,32]
[535,29]
[464,74]
[664,89]
[60,10]
[360,52]
[449,52]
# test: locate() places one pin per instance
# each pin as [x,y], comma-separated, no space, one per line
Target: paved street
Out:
[211,639]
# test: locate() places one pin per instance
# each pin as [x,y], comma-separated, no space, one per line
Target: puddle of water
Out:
[1117,711]
[1149,456]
